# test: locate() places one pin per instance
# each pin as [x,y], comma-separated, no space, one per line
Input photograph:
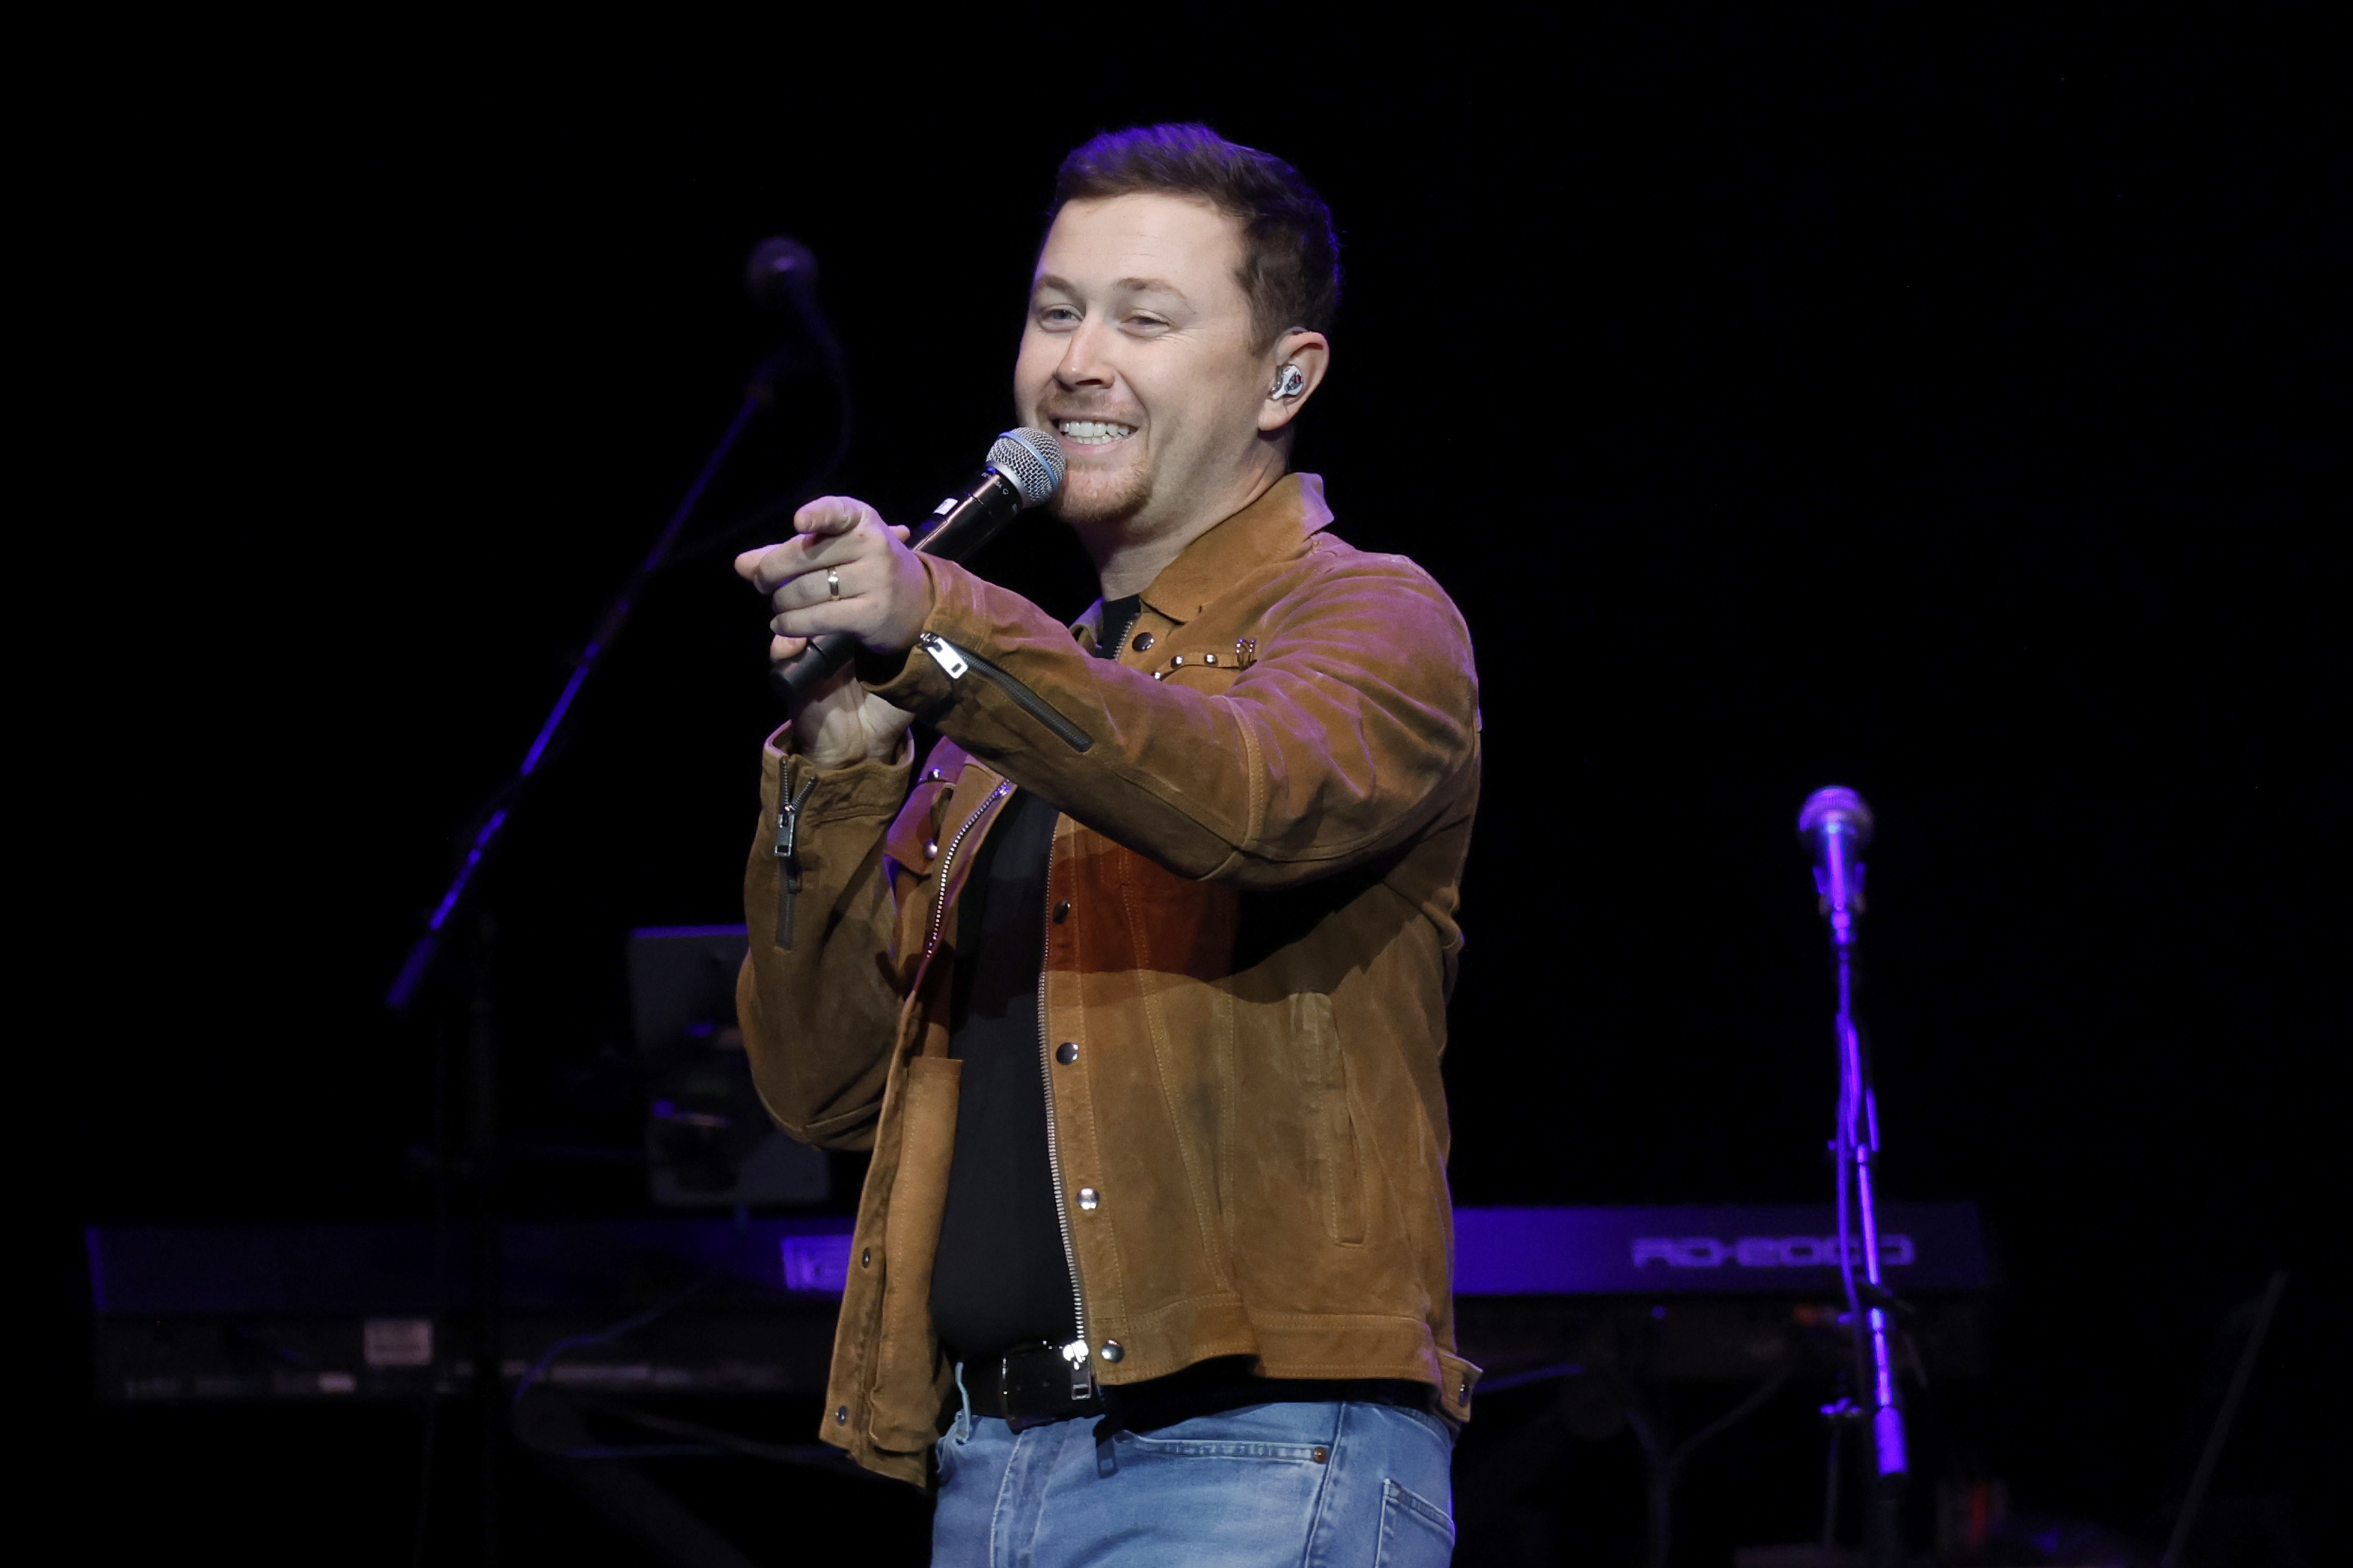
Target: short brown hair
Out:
[1290,258]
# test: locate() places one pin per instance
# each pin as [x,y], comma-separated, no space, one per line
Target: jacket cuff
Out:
[860,790]
[919,685]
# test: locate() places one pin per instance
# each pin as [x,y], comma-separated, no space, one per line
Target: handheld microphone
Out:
[1025,468]
[1835,826]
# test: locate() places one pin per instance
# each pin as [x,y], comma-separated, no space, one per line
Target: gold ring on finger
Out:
[832,584]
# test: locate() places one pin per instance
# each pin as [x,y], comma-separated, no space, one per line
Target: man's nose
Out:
[1084,362]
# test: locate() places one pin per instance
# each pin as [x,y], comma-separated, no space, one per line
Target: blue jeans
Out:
[1304,1486]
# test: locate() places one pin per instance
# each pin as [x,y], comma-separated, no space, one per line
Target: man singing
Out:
[1135,985]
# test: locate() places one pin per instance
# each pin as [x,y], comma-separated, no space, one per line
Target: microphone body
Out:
[1025,468]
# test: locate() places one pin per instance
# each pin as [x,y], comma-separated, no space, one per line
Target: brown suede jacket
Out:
[1250,938]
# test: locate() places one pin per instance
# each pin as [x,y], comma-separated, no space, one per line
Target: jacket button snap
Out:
[1322,1454]
[1176,663]
[931,847]
[1067,1052]
[841,1416]
[1142,643]
[1062,912]
[1208,658]
[1112,1350]
[866,1258]
[1090,1199]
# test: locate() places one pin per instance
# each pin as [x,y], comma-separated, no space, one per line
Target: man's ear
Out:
[1287,394]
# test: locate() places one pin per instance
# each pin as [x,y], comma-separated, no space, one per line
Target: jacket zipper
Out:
[1082,1377]
[956,661]
[788,873]
[940,915]
[940,886]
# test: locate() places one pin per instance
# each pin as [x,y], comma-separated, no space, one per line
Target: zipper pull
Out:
[944,653]
[788,815]
[788,827]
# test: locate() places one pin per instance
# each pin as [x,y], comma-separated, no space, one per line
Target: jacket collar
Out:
[1276,526]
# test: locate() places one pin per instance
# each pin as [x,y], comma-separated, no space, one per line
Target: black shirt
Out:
[1001,1278]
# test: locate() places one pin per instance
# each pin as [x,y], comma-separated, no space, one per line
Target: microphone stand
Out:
[781,274]
[1839,878]
[492,816]
[458,899]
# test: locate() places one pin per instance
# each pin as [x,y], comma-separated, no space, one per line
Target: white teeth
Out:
[1093,432]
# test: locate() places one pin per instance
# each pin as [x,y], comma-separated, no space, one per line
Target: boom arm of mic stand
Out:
[500,809]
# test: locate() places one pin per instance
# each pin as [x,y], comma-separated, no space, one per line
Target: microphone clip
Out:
[1854,891]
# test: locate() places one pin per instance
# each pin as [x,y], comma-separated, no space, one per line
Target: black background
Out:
[1948,407]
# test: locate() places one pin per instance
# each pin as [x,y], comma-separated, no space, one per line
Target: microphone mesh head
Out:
[1033,460]
[1836,803]
[780,272]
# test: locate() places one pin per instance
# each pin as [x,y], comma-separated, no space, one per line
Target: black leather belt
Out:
[1030,1385]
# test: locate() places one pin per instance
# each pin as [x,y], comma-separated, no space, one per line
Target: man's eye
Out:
[1056,315]
[1146,323]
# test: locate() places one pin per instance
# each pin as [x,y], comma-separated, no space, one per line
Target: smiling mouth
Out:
[1091,432]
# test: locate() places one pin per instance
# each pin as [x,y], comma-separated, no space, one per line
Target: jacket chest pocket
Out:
[912,848]
[1334,1162]
[913,841]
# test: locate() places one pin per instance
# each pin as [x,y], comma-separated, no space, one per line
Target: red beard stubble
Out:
[1091,500]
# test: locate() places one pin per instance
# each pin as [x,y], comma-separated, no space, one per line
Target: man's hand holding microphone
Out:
[847,574]
[844,570]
